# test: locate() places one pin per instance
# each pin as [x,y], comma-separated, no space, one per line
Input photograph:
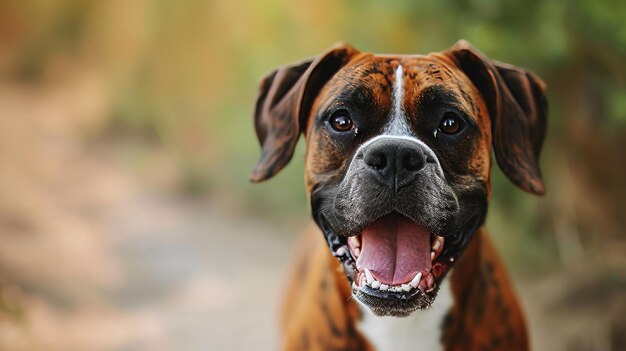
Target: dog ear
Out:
[516,101]
[284,103]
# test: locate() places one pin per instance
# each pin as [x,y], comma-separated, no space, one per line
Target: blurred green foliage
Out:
[184,74]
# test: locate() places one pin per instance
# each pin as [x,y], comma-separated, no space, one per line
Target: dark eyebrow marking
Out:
[439,95]
[352,94]
[358,94]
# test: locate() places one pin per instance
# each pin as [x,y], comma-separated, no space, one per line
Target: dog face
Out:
[399,155]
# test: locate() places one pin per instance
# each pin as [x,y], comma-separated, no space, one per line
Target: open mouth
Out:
[394,264]
[395,254]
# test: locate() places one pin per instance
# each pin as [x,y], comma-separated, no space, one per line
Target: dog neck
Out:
[422,330]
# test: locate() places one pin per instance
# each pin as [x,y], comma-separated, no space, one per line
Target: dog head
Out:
[399,155]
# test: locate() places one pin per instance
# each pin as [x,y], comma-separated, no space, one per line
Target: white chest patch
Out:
[419,331]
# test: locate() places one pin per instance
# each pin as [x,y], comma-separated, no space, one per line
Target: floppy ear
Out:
[517,106]
[284,103]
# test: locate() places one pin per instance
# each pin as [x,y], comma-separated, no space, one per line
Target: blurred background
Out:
[126,218]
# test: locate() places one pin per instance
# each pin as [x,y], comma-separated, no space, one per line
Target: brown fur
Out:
[486,315]
[319,313]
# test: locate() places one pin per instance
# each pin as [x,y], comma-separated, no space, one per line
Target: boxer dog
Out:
[398,163]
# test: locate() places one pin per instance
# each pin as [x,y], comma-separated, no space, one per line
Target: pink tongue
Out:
[394,249]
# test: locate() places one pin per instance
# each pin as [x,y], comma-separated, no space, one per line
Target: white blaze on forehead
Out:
[398,93]
[397,123]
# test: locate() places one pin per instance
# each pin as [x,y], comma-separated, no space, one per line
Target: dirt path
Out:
[212,282]
[147,271]
[91,258]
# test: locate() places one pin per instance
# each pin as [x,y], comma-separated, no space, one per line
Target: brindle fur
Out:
[506,108]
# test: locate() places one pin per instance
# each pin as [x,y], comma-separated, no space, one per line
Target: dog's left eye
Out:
[451,124]
[341,121]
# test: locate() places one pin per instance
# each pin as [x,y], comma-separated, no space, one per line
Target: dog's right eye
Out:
[341,121]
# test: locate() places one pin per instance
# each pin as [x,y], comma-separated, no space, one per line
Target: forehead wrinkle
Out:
[415,86]
[373,79]
[354,87]
[376,72]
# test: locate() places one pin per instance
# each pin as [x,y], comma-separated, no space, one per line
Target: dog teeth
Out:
[437,247]
[354,245]
[354,241]
[438,243]
[341,251]
[369,277]
[416,280]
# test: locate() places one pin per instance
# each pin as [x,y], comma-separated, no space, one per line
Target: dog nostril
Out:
[376,160]
[412,162]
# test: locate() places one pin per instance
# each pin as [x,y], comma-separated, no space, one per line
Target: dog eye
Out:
[341,121]
[451,124]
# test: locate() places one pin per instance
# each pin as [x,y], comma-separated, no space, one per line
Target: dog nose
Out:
[396,162]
